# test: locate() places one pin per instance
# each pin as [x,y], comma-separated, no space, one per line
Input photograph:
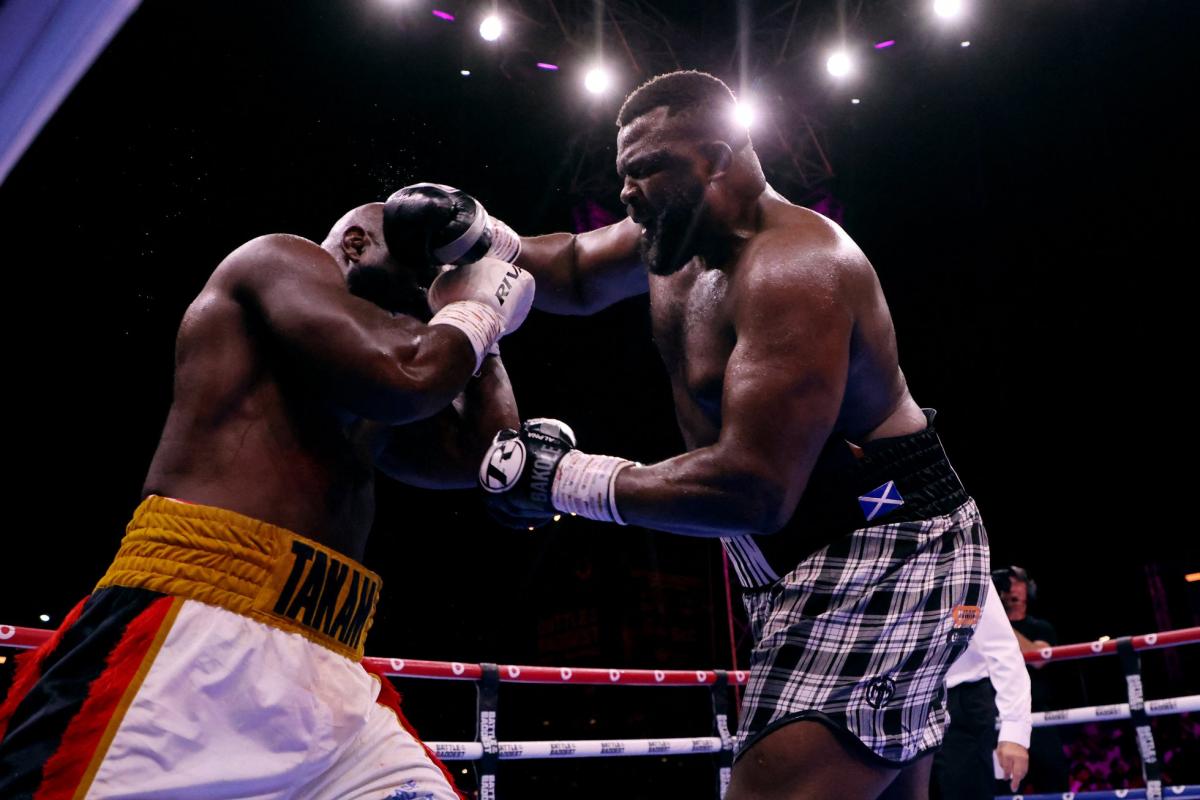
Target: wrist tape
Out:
[482,324]
[506,244]
[583,485]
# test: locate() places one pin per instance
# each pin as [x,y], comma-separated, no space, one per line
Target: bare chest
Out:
[693,328]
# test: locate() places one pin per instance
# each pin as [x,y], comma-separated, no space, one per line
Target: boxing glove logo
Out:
[506,286]
[503,465]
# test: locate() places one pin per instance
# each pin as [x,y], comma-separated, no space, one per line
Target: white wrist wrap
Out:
[482,324]
[506,244]
[583,485]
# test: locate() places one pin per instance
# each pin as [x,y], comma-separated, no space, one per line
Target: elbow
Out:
[404,393]
[425,390]
[573,299]
[765,509]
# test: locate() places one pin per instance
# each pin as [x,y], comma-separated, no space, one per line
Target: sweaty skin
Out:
[289,391]
[771,349]
[776,336]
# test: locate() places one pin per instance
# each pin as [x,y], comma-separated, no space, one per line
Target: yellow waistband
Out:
[249,567]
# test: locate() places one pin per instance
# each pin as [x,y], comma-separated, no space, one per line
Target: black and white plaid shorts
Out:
[859,636]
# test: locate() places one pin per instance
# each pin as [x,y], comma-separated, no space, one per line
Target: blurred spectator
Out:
[1047,764]
[989,678]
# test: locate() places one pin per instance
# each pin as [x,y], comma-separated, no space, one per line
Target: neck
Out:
[738,203]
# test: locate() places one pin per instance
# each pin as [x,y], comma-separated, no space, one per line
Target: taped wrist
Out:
[506,244]
[481,323]
[584,485]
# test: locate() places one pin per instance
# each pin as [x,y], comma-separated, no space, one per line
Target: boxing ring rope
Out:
[1181,792]
[488,750]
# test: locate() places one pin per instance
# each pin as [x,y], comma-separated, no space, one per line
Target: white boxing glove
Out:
[485,300]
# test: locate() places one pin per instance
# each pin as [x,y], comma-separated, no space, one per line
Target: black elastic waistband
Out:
[849,490]
[916,464]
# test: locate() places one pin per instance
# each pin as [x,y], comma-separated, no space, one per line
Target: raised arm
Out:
[372,363]
[782,393]
[581,273]
[576,273]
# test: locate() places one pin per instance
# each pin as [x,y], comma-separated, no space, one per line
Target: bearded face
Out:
[669,231]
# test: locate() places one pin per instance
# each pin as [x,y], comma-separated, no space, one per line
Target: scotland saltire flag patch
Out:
[880,501]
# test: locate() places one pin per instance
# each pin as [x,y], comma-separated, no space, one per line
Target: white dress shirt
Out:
[993,653]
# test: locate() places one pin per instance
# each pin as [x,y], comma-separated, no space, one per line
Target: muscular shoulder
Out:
[801,252]
[271,257]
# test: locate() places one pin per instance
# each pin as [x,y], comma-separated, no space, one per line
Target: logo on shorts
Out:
[965,618]
[880,501]
[327,595]
[880,691]
[503,466]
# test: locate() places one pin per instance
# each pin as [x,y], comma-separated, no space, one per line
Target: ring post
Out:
[720,702]
[486,704]
[1132,665]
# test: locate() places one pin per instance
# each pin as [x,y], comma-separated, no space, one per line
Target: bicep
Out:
[583,273]
[327,329]
[379,366]
[785,380]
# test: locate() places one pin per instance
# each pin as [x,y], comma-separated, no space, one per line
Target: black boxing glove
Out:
[531,474]
[439,224]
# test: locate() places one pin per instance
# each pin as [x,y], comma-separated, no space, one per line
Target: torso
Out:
[692,317]
[246,433]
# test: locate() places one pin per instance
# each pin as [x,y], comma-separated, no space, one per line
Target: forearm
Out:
[583,273]
[444,452]
[996,640]
[553,262]
[488,405]
[701,493]
[484,407]
[424,378]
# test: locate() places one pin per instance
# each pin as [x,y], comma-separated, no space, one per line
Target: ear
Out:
[354,241]
[720,158]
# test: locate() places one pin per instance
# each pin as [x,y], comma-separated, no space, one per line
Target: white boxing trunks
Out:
[217,658]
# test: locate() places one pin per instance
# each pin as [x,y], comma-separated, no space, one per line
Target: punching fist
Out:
[530,474]
[439,224]
[485,300]
[518,471]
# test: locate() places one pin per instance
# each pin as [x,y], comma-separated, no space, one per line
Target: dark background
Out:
[1025,202]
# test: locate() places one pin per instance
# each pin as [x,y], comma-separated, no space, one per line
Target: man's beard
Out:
[672,235]
[377,286]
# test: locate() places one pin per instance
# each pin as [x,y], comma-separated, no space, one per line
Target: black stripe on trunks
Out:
[66,676]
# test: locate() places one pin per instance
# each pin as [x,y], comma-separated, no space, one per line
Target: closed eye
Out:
[642,168]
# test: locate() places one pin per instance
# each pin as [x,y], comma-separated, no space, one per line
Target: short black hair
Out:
[704,100]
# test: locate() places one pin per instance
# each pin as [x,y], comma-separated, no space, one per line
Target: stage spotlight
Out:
[491,28]
[597,80]
[839,64]
[948,9]
[745,113]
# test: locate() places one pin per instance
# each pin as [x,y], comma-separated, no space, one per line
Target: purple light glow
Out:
[443,15]
[882,45]
[544,65]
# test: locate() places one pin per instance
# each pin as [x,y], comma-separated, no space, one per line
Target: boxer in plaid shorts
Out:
[863,557]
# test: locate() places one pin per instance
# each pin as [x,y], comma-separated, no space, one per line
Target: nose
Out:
[628,190]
